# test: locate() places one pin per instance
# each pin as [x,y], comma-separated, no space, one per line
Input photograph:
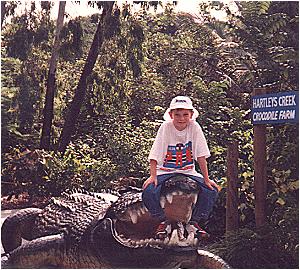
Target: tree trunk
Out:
[232,216]
[69,126]
[50,92]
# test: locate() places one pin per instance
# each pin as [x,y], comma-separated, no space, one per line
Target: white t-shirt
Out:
[176,151]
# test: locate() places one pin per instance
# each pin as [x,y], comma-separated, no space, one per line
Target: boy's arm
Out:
[204,170]
[153,174]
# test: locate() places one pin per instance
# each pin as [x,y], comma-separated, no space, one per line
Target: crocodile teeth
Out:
[189,215]
[162,202]
[141,211]
[169,198]
[174,238]
[194,198]
[138,212]
[190,238]
[151,241]
[133,216]
[145,210]
[132,242]
[195,242]
[142,242]
[157,241]
[166,241]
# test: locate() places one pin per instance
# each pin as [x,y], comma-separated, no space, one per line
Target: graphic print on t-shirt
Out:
[179,156]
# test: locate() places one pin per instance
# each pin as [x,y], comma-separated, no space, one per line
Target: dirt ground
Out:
[22,201]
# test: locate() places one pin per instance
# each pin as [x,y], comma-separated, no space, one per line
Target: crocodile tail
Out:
[209,260]
[47,251]
[18,226]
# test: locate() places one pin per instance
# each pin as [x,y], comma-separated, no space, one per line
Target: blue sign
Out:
[275,108]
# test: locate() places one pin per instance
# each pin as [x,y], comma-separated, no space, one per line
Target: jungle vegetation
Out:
[143,60]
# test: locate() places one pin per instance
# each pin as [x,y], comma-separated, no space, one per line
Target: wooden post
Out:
[260,169]
[232,216]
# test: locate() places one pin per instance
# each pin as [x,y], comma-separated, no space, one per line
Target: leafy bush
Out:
[24,170]
[91,163]
[247,248]
[39,172]
[286,219]
[216,223]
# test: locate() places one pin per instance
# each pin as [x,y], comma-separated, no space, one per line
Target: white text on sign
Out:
[275,108]
[270,102]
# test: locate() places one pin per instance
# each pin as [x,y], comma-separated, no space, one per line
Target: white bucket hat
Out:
[180,102]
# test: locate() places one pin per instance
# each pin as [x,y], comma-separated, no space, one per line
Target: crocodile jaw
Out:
[135,227]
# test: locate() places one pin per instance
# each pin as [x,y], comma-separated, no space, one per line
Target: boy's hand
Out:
[211,184]
[151,179]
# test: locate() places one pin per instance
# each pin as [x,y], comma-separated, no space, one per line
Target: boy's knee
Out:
[210,192]
[148,191]
[215,193]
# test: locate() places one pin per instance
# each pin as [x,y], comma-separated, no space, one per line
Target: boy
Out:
[178,143]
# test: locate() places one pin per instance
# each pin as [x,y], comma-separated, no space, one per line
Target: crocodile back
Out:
[71,214]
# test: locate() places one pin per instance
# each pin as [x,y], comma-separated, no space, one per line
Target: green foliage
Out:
[10,71]
[112,24]
[216,223]
[72,40]
[21,100]
[121,148]
[8,9]
[49,173]
[32,28]
[268,31]
[32,87]
[24,170]
[286,219]
[27,39]
[21,42]
[76,168]
[255,249]
[264,52]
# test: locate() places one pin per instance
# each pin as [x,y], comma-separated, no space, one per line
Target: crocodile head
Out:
[129,225]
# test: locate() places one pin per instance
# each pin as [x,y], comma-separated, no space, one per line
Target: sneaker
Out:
[194,227]
[162,230]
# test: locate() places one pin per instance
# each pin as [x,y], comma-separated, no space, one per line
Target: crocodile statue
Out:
[94,230]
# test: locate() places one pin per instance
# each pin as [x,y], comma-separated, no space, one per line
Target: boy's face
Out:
[181,118]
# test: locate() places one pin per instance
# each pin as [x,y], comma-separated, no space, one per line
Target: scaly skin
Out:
[18,226]
[82,230]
